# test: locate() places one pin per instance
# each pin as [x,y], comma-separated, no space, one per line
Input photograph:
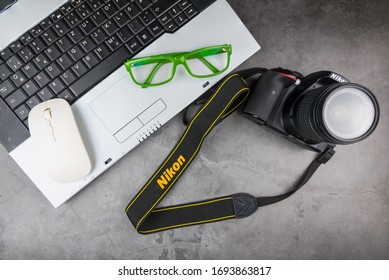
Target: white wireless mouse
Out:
[58,141]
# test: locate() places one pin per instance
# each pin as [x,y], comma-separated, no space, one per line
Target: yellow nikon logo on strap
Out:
[169,173]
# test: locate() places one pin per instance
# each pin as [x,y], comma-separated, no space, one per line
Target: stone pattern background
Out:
[342,213]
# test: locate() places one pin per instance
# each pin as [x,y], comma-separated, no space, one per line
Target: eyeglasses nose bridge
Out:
[179,60]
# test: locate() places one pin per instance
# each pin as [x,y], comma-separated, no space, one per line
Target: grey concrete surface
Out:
[342,213]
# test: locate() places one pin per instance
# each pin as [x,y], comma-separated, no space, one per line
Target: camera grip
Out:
[266,94]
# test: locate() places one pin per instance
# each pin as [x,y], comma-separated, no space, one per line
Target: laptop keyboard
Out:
[80,44]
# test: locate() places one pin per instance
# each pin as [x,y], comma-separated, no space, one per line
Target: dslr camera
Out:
[317,111]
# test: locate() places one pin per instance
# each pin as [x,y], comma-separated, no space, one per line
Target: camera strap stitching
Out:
[142,211]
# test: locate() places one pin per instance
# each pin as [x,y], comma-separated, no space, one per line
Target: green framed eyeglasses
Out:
[160,69]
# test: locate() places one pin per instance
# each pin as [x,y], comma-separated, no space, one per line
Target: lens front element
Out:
[348,113]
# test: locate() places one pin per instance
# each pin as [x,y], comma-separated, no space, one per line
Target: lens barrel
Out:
[342,113]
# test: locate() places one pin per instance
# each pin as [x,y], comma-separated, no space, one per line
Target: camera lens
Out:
[337,114]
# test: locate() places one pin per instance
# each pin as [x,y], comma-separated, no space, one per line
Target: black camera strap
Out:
[142,211]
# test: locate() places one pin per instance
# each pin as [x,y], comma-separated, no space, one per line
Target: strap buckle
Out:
[244,205]
[326,155]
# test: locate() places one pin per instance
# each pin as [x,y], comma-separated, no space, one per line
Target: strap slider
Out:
[244,205]
[326,155]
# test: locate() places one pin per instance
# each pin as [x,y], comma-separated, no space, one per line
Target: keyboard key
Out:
[37,45]
[95,4]
[29,70]
[36,30]
[87,44]
[22,112]
[30,88]
[174,11]
[99,35]
[53,70]
[171,27]
[102,52]
[14,63]
[68,77]
[14,132]
[75,3]
[121,19]
[165,18]
[134,46]
[6,53]
[79,69]
[41,79]
[87,26]
[4,72]
[84,10]
[16,46]
[113,42]
[56,16]
[110,9]
[76,53]
[76,35]
[110,27]
[16,99]
[143,4]
[67,8]
[181,19]
[184,4]
[90,60]
[136,26]
[66,95]
[64,44]
[32,102]
[156,29]
[125,34]
[145,37]
[41,61]
[73,19]
[64,61]
[191,12]
[26,38]
[18,79]
[6,88]
[49,36]
[45,94]
[61,28]
[46,23]
[133,10]
[26,54]
[162,6]
[52,53]
[98,18]
[56,86]
[147,17]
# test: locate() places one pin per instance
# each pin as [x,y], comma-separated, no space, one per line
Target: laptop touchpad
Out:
[124,109]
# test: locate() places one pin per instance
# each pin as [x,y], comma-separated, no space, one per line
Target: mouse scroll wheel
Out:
[47,114]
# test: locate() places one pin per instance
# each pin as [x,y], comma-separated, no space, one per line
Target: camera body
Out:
[288,104]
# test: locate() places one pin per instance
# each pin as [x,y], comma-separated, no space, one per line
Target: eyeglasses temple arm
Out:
[146,84]
[209,65]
